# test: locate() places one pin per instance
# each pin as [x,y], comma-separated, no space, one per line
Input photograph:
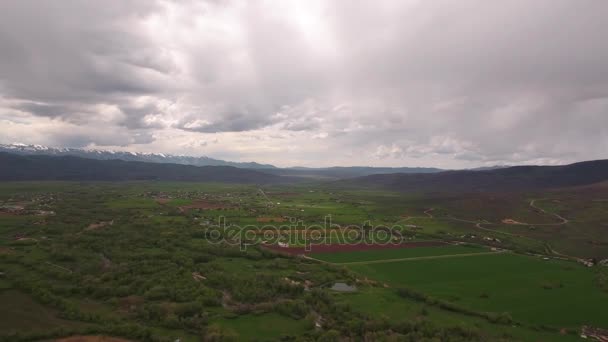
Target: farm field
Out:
[264,327]
[21,312]
[552,293]
[384,302]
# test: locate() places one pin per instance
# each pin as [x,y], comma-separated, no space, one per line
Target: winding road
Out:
[564,220]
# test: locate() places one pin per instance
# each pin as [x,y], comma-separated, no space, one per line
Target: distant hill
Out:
[23,149]
[15,167]
[487,168]
[505,179]
[339,172]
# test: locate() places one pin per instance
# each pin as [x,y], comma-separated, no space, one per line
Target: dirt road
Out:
[266,197]
[417,258]
[564,220]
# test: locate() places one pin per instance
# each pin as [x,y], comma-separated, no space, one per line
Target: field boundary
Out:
[411,258]
[352,247]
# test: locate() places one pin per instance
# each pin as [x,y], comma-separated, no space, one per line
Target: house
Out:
[594,333]
[487,238]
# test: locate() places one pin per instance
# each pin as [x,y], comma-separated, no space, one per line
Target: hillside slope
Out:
[37,167]
[341,172]
[507,179]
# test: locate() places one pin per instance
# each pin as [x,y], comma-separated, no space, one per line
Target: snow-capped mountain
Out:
[24,149]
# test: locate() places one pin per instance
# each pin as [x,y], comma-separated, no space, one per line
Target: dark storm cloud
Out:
[229,120]
[135,116]
[47,110]
[466,81]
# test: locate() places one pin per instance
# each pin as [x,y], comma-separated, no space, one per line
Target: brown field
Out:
[162,200]
[99,225]
[304,232]
[270,219]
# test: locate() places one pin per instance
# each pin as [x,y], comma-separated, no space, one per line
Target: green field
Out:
[20,312]
[384,302]
[396,253]
[554,293]
[264,327]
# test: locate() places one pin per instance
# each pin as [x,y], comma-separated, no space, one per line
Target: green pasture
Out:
[384,302]
[554,293]
[20,313]
[264,327]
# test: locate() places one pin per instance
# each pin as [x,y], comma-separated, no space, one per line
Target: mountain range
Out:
[31,165]
[24,149]
[15,167]
[36,162]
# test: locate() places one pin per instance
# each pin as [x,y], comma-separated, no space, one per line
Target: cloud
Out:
[441,83]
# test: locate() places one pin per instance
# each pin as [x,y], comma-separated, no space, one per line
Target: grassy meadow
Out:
[552,293]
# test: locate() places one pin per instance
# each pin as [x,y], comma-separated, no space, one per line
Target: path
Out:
[426,212]
[266,197]
[564,220]
[416,258]
[478,225]
[61,267]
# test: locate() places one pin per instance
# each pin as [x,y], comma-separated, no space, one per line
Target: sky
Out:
[443,83]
